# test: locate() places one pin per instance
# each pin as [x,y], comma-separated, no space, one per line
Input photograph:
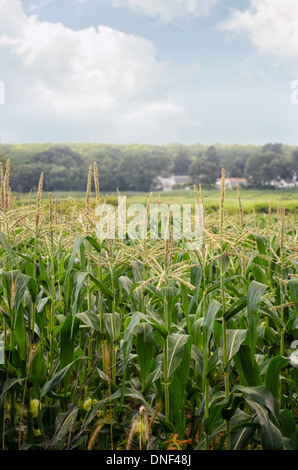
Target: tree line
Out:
[136,167]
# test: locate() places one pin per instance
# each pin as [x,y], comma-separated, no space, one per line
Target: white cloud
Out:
[173,119]
[271,25]
[33,7]
[169,10]
[166,10]
[101,76]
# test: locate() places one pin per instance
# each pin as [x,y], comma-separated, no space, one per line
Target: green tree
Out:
[282,168]
[25,177]
[58,155]
[138,172]
[275,148]
[212,155]
[63,170]
[295,162]
[236,169]
[203,171]
[107,174]
[182,163]
[261,169]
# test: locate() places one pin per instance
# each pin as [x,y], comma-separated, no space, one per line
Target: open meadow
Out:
[252,200]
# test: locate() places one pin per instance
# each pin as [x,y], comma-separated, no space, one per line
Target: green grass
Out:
[259,200]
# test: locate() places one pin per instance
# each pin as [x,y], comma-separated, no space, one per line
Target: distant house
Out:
[174,181]
[284,184]
[231,183]
[167,184]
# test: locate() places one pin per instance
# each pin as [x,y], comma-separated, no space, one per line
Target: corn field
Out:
[142,344]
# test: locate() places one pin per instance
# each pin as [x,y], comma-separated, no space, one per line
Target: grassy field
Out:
[252,199]
[145,344]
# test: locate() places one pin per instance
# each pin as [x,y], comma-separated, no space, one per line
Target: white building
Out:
[232,183]
[167,184]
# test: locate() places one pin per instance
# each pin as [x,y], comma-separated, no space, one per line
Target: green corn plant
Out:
[141,343]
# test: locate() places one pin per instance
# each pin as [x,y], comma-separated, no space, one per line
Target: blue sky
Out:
[149,71]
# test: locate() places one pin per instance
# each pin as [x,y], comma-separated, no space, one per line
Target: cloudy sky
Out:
[148,71]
